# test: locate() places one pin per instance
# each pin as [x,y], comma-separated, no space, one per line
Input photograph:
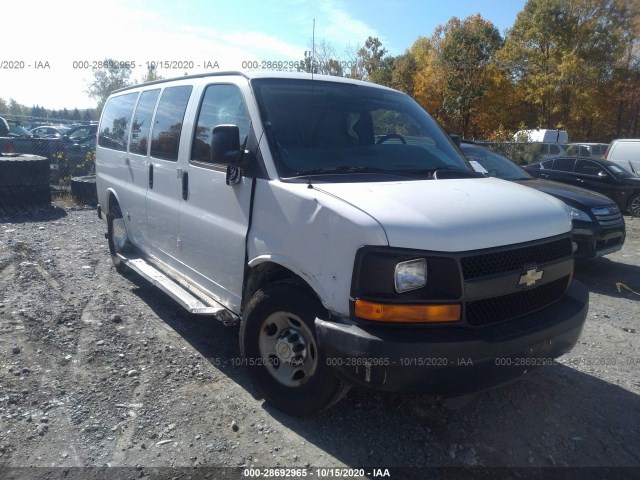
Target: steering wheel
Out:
[389,137]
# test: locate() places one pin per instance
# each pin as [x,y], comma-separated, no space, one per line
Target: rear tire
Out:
[279,344]
[634,205]
[117,238]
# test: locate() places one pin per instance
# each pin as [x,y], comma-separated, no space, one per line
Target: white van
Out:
[542,135]
[626,153]
[341,228]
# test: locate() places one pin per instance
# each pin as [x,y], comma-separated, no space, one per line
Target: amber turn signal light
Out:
[384,312]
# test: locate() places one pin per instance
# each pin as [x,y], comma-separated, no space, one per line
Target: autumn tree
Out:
[562,56]
[467,51]
[105,80]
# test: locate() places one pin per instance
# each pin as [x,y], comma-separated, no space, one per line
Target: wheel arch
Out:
[264,270]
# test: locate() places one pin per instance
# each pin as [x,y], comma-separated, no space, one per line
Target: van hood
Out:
[455,215]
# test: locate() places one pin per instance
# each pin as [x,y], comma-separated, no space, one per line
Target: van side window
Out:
[221,105]
[167,128]
[114,127]
[141,124]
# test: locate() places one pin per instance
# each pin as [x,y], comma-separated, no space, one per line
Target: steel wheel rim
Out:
[287,349]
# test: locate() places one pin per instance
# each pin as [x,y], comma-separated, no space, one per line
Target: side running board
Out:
[180,294]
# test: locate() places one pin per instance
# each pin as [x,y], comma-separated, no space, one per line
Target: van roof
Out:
[261,74]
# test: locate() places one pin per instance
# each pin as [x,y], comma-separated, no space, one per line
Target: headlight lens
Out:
[410,275]
[579,215]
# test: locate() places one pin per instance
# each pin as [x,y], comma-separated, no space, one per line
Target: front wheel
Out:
[279,344]
[634,205]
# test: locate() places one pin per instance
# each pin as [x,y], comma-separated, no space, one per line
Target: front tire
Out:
[280,346]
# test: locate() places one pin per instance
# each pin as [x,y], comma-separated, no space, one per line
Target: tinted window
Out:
[564,164]
[221,105]
[116,117]
[141,124]
[554,149]
[547,164]
[585,167]
[341,128]
[168,122]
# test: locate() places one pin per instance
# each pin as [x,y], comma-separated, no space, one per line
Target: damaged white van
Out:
[341,228]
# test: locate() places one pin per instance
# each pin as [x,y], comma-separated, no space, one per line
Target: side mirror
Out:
[225,149]
[225,144]
[456,138]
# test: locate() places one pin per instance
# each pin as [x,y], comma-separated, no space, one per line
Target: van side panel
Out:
[310,234]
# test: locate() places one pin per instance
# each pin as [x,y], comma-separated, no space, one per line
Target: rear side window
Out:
[564,164]
[167,128]
[115,123]
[554,149]
[221,105]
[141,125]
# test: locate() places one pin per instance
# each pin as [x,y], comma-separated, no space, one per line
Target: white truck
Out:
[342,229]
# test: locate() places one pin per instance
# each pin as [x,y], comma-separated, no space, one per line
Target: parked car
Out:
[77,153]
[586,149]
[626,153]
[48,131]
[11,128]
[545,135]
[549,150]
[337,224]
[80,133]
[598,226]
[601,176]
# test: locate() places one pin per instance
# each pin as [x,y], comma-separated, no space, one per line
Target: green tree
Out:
[108,79]
[561,55]
[370,56]
[152,74]
[468,49]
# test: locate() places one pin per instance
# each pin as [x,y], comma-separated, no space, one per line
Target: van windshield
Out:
[321,128]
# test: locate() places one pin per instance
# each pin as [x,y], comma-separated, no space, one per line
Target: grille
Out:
[609,217]
[497,309]
[488,264]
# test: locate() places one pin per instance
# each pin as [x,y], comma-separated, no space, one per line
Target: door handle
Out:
[151,176]
[185,186]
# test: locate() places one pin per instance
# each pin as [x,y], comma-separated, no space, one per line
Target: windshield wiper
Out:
[343,169]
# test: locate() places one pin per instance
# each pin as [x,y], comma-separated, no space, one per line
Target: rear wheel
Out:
[279,344]
[634,205]
[117,237]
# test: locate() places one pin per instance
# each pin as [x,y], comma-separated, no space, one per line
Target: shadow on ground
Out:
[554,416]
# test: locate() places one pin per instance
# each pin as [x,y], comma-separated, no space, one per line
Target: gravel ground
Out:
[101,370]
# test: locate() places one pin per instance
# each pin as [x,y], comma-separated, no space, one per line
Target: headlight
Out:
[579,215]
[410,275]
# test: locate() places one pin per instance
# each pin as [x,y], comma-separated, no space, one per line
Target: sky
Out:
[48,48]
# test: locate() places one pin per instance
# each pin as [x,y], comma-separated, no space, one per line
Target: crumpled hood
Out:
[455,215]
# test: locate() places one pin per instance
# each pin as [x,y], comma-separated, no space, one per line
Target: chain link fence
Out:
[70,148]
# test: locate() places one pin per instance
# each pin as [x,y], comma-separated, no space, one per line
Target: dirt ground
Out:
[99,370]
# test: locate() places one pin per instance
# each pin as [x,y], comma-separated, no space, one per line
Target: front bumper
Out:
[597,242]
[449,360]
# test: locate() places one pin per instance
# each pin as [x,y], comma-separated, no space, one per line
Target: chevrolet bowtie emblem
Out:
[530,277]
